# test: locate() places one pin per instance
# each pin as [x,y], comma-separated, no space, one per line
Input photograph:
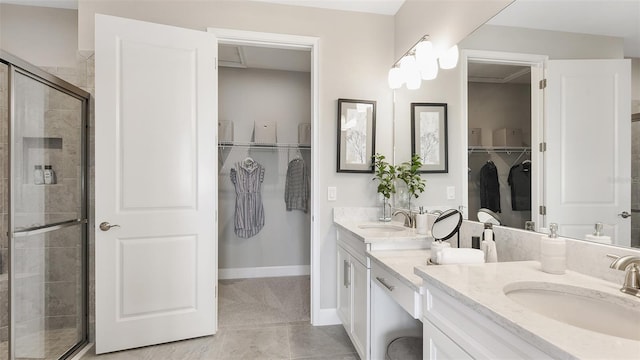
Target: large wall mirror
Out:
[590,172]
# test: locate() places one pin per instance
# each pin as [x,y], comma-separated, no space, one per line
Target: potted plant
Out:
[386,175]
[408,173]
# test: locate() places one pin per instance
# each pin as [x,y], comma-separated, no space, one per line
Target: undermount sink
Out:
[581,307]
[383,227]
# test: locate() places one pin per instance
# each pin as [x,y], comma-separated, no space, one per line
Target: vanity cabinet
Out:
[436,345]
[353,291]
[453,330]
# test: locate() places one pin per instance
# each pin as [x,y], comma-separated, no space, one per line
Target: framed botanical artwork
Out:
[429,136]
[356,135]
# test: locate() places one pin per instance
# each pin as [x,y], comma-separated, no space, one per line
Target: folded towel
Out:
[490,252]
[460,256]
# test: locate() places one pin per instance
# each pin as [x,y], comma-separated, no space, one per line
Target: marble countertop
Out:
[480,287]
[401,264]
[372,235]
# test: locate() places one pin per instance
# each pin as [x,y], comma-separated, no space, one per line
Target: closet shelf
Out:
[263,145]
[498,149]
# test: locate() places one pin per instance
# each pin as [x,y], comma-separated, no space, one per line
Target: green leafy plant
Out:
[386,175]
[408,173]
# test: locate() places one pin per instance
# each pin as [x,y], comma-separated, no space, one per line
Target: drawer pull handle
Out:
[383,282]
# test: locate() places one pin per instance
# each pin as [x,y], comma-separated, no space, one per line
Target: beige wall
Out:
[555,44]
[42,36]
[355,51]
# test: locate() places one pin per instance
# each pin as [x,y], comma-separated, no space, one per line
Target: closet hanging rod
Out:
[265,146]
[499,149]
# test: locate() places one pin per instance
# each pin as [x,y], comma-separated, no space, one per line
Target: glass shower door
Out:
[46,219]
[4,210]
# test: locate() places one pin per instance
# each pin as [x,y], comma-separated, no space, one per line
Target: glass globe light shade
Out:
[410,72]
[395,78]
[449,59]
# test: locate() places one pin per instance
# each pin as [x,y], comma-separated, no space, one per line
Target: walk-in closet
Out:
[264,185]
[499,113]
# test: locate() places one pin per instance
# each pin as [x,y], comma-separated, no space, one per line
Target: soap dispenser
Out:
[553,252]
[598,236]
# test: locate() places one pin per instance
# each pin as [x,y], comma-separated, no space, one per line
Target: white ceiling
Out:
[619,18]
[384,7]
[61,4]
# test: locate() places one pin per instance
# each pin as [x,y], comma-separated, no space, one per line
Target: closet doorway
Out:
[265,181]
[503,115]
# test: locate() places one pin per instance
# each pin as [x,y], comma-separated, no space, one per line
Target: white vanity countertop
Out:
[401,263]
[373,235]
[480,287]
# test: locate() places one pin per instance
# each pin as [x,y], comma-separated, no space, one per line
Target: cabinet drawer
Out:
[400,292]
[356,247]
[475,333]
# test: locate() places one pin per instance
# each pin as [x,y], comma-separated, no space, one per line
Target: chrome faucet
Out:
[408,218]
[631,266]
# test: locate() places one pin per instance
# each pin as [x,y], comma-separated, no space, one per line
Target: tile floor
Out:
[260,319]
[48,345]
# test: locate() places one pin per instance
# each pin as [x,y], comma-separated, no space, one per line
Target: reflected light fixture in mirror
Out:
[426,60]
[421,63]
[449,59]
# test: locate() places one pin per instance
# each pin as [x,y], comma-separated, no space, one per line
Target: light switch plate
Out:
[451,192]
[332,193]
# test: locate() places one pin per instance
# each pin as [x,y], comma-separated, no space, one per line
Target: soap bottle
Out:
[49,175]
[38,175]
[553,252]
[597,235]
[421,221]
[488,245]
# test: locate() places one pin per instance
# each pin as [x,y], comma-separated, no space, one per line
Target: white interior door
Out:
[588,158]
[156,117]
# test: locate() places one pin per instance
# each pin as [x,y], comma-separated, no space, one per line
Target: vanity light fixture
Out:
[420,63]
[449,59]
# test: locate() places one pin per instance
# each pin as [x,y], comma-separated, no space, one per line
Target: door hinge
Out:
[543,83]
[543,210]
[215,63]
[543,146]
[216,291]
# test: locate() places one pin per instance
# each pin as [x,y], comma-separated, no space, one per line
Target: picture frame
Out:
[429,136]
[356,135]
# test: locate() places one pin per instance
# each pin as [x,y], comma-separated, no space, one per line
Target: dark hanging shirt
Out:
[520,181]
[489,187]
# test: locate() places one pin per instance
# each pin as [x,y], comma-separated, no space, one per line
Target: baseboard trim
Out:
[326,317]
[260,272]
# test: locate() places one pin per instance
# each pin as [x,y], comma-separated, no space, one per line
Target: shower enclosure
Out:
[43,212]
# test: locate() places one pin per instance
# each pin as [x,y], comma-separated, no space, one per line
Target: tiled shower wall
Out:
[83,76]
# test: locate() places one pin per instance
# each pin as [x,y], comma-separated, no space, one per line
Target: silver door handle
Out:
[624,214]
[105,226]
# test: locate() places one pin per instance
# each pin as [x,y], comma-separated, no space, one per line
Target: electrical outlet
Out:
[332,193]
[451,192]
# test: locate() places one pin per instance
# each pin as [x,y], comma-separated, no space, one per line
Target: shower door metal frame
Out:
[17,65]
